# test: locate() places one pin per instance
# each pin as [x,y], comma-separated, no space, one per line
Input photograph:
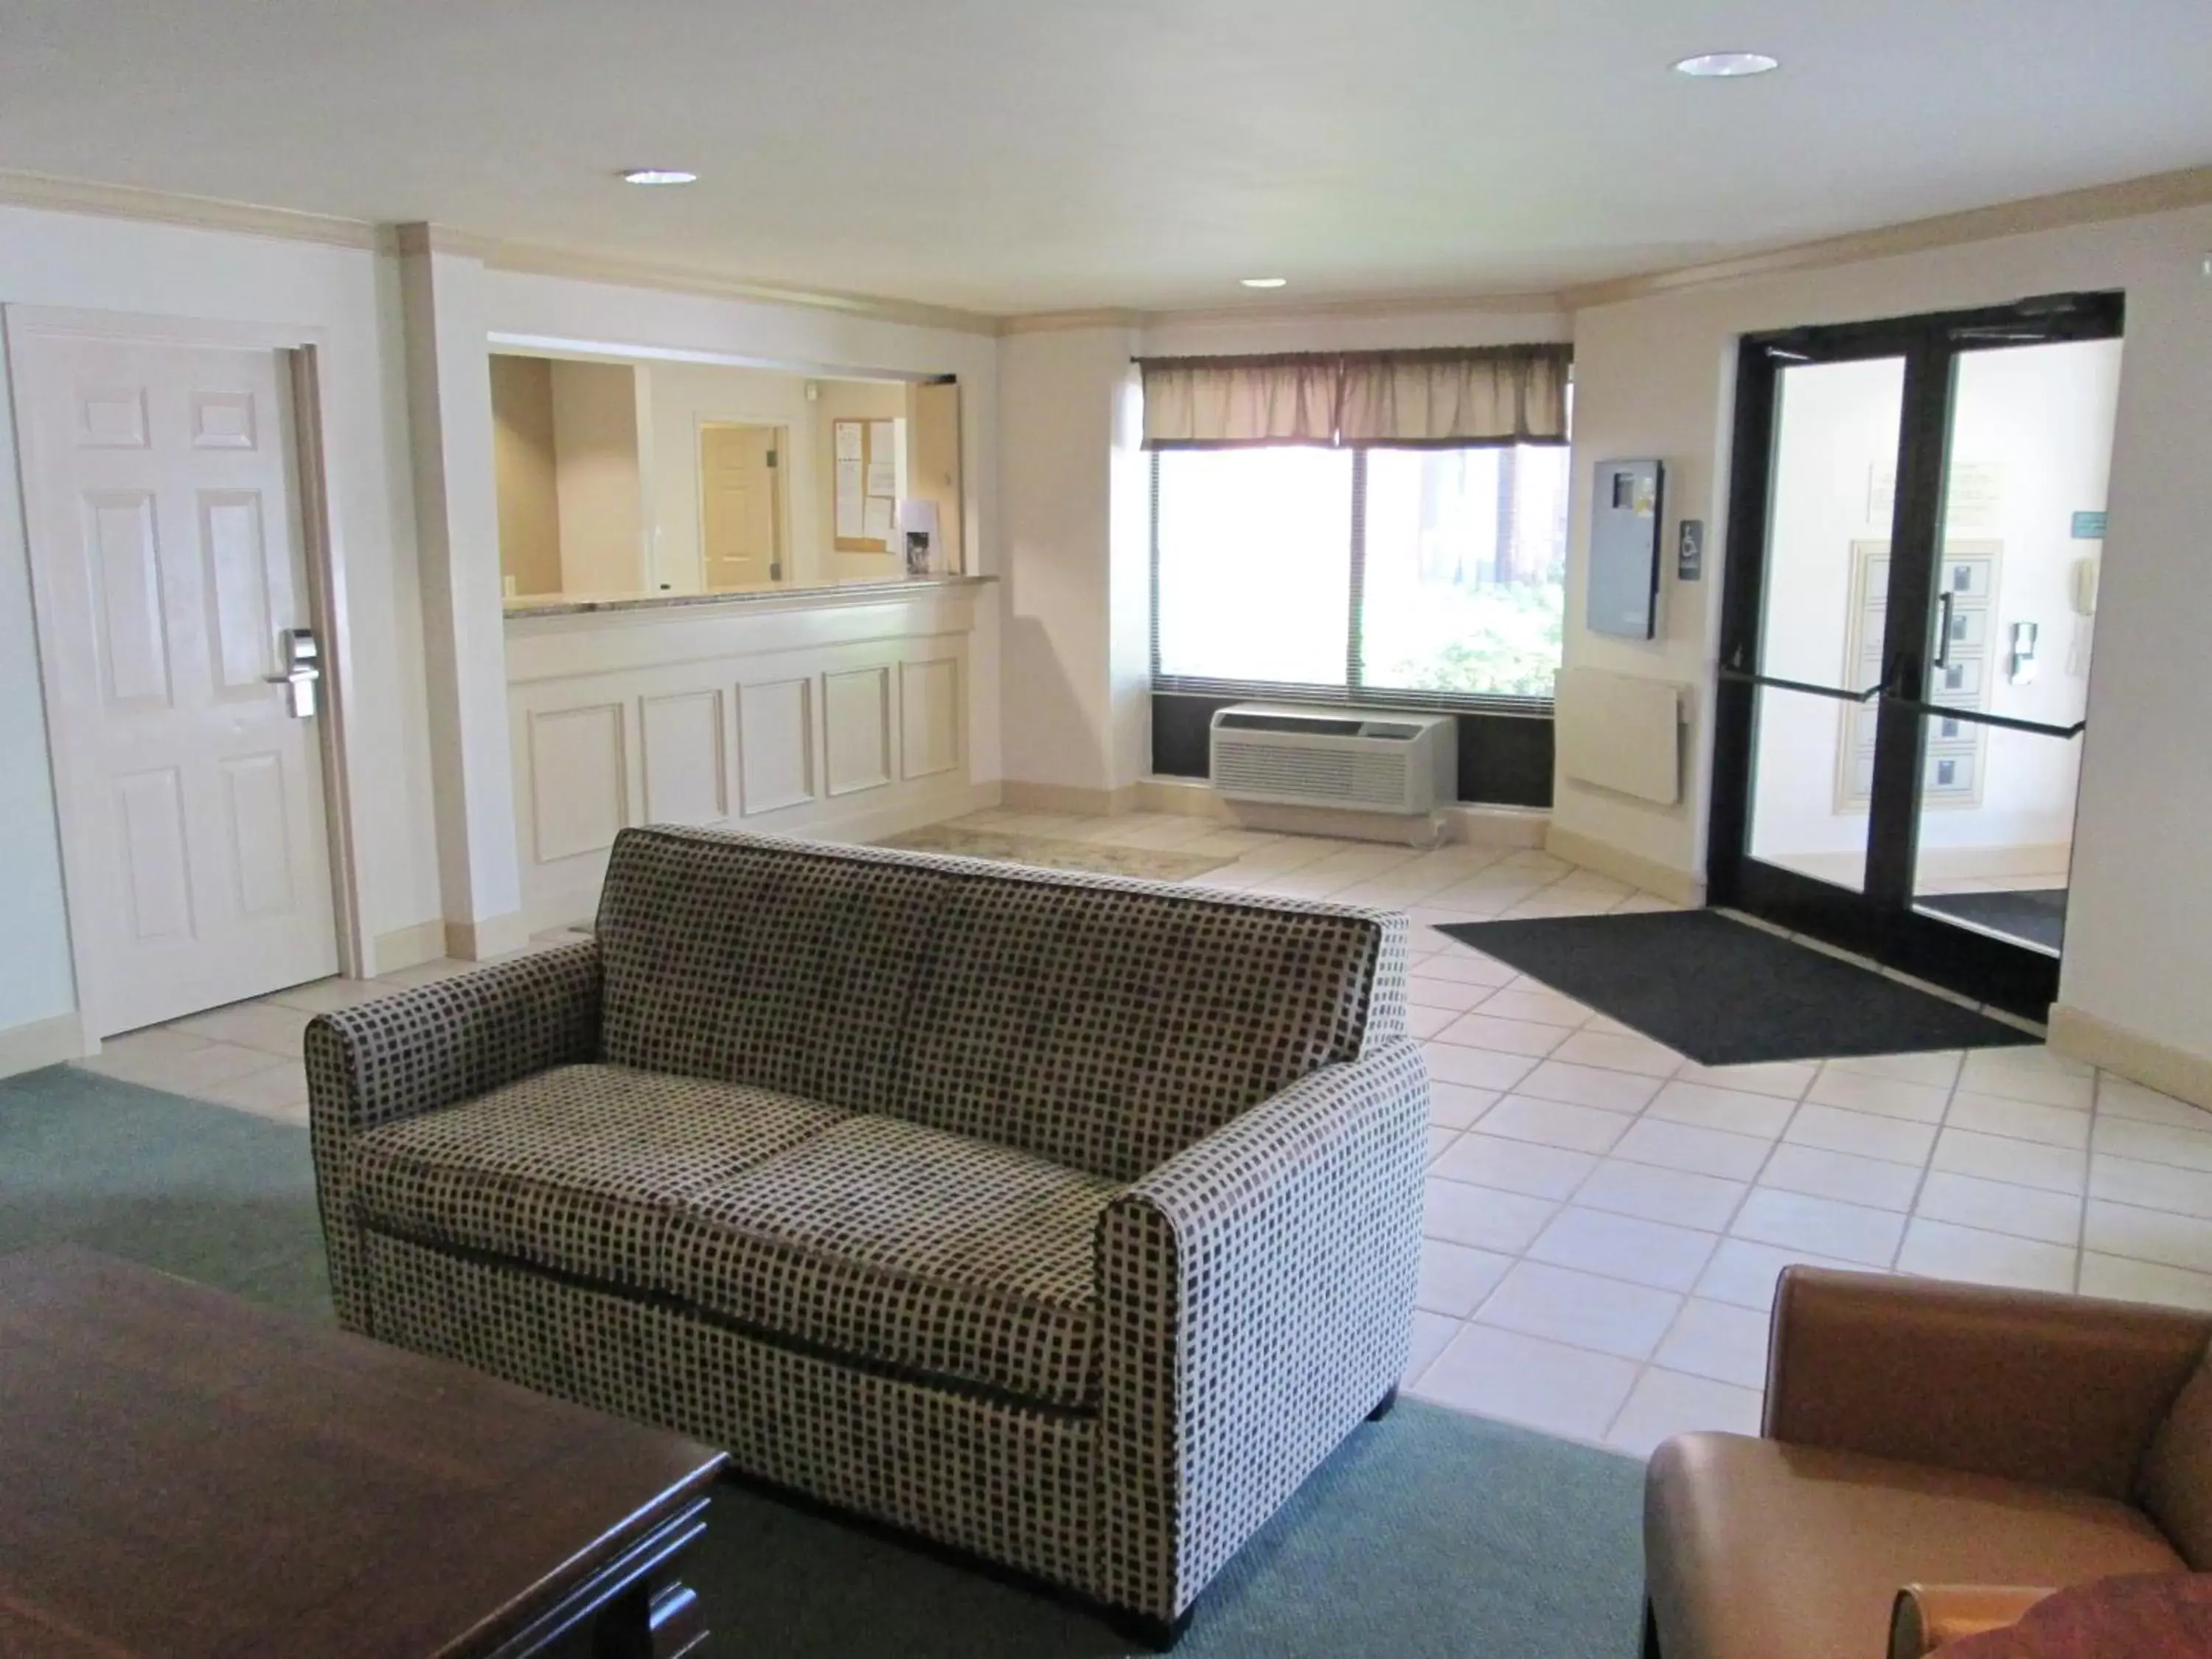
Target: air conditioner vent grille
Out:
[1396,763]
[1335,774]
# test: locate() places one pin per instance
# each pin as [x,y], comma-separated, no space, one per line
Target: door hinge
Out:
[775,570]
[771,458]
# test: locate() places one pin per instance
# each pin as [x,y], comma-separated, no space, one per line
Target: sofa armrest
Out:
[1256,1299]
[431,1046]
[2059,1390]
[437,1045]
[1924,1617]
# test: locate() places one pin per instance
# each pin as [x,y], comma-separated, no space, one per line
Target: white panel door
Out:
[167,561]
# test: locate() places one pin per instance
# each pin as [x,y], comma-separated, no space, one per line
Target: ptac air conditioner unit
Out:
[1347,758]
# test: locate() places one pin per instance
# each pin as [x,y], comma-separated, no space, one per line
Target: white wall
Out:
[1653,377]
[1057,393]
[351,295]
[527,309]
[598,476]
[1076,497]
[529,486]
[688,396]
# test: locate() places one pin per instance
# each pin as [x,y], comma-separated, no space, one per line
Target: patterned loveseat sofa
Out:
[1068,1221]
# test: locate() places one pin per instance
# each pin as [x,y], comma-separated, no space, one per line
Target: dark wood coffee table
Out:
[185,1475]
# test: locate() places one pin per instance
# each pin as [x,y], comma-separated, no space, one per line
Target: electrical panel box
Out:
[1626,510]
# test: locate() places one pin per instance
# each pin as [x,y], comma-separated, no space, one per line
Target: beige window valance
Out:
[1453,398]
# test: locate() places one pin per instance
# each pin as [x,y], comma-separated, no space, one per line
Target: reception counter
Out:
[842,711]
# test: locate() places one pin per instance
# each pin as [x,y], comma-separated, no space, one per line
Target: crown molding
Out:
[1059,322]
[84,195]
[531,260]
[1263,312]
[2130,199]
[1521,302]
[2164,192]
[39,190]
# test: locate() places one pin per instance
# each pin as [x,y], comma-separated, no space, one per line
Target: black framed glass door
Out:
[1915,519]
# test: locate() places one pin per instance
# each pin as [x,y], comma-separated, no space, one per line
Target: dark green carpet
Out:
[1430,1533]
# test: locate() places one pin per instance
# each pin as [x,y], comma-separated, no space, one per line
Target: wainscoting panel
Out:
[684,745]
[856,730]
[580,778]
[840,718]
[775,745]
[930,717]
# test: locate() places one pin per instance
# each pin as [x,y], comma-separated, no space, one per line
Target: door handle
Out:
[302,659]
[1943,629]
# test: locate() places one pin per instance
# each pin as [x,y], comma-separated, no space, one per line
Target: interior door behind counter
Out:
[740,512]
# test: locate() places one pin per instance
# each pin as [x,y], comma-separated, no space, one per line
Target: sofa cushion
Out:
[1757,1549]
[575,1169]
[892,1242]
[777,963]
[1107,1025]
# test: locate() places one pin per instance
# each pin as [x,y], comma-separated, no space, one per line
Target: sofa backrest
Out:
[777,963]
[1104,1024]
[1107,1025]
[2175,1484]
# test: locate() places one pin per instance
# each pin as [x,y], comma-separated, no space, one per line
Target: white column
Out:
[1129,585]
[1072,725]
[457,533]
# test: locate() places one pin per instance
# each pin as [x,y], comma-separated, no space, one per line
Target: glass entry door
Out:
[1915,522]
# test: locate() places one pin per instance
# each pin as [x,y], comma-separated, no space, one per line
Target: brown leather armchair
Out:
[1922,1432]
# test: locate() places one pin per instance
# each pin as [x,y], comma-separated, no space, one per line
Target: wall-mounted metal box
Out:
[1626,510]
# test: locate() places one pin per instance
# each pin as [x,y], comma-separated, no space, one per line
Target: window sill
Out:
[1367,696]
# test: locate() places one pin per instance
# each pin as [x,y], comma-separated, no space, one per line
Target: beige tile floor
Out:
[1605,1218]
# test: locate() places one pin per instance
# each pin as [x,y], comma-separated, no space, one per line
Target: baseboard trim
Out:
[2139,1059]
[1019,797]
[42,1042]
[1525,826]
[407,947]
[493,936]
[1470,821]
[1193,798]
[1675,886]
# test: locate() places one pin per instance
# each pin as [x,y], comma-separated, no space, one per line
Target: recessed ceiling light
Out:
[1727,65]
[1264,281]
[660,176]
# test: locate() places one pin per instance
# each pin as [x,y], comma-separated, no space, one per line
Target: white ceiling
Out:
[1025,156]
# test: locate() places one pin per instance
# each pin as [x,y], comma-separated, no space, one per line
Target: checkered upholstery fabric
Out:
[579,1169]
[1100,1022]
[1256,1299]
[435,1045]
[1105,1237]
[901,1244]
[1012,1483]
[783,964]
[1109,1027]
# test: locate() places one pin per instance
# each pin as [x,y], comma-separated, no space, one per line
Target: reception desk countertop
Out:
[853,593]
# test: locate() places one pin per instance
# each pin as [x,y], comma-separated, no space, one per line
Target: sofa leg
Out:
[1383,1405]
[1650,1631]
[1160,1635]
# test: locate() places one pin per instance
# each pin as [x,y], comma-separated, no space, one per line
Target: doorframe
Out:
[2000,973]
[784,555]
[301,353]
